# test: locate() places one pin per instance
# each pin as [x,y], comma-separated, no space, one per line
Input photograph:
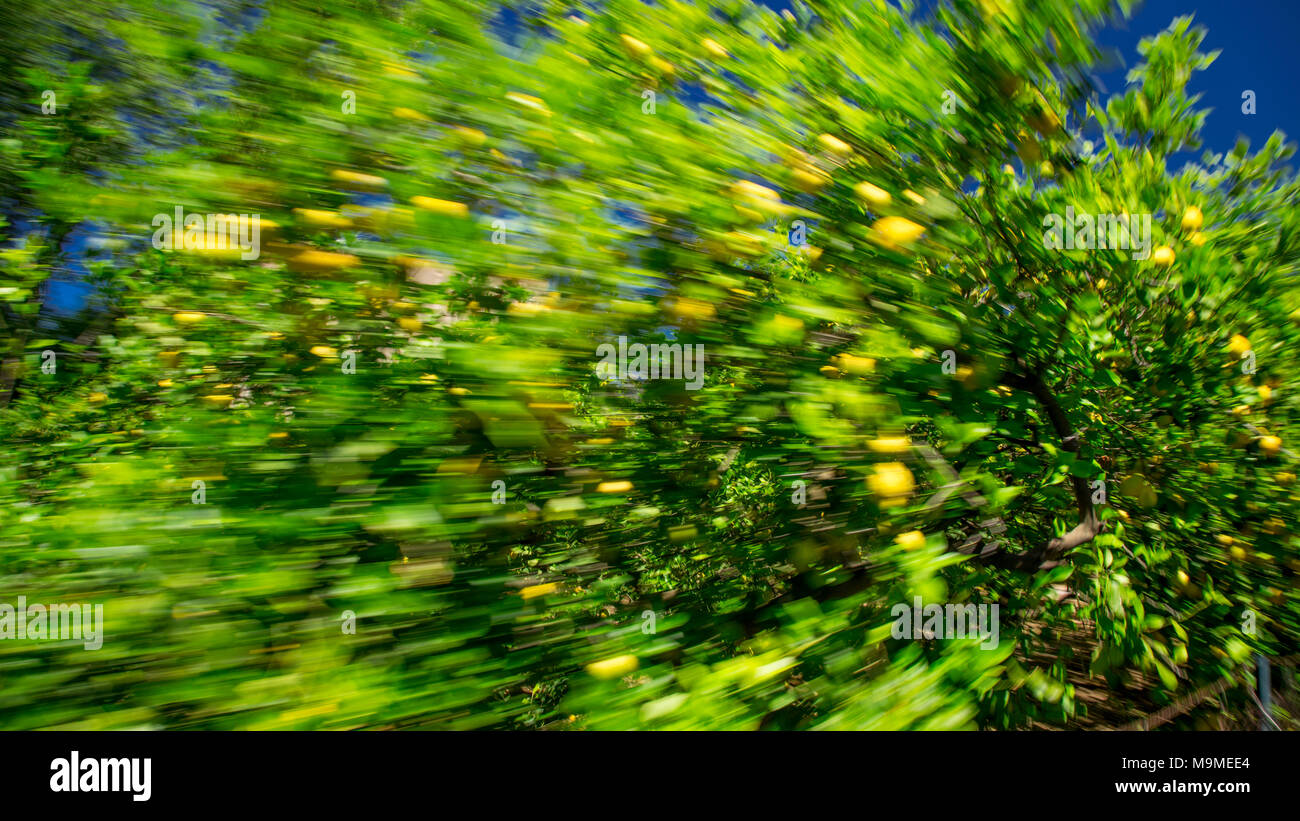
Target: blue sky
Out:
[1259,44]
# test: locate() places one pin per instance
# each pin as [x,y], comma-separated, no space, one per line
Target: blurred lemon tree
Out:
[423,505]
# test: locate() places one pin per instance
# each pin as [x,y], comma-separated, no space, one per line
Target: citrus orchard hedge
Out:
[378,476]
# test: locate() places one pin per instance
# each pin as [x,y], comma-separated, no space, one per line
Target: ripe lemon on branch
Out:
[634,47]
[322,219]
[358,179]
[834,145]
[320,261]
[872,194]
[892,483]
[615,667]
[715,49]
[911,540]
[895,232]
[446,208]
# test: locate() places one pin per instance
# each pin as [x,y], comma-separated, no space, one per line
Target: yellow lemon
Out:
[324,351]
[872,194]
[809,180]
[892,482]
[313,260]
[533,591]
[264,225]
[1197,239]
[1270,445]
[188,317]
[1238,345]
[322,219]
[1192,218]
[1163,256]
[527,309]
[856,365]
[446,208]
[893,232]
[834,145]
[395,70]
[470,136]
[900,444]
[635,47]
[693,309]
[752,190]
[758,196]
[614,487]
[529,101]
[359,179]
[991,8]
[714,48]
[911,540]
[663,67]
[613,667]
[787,324]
